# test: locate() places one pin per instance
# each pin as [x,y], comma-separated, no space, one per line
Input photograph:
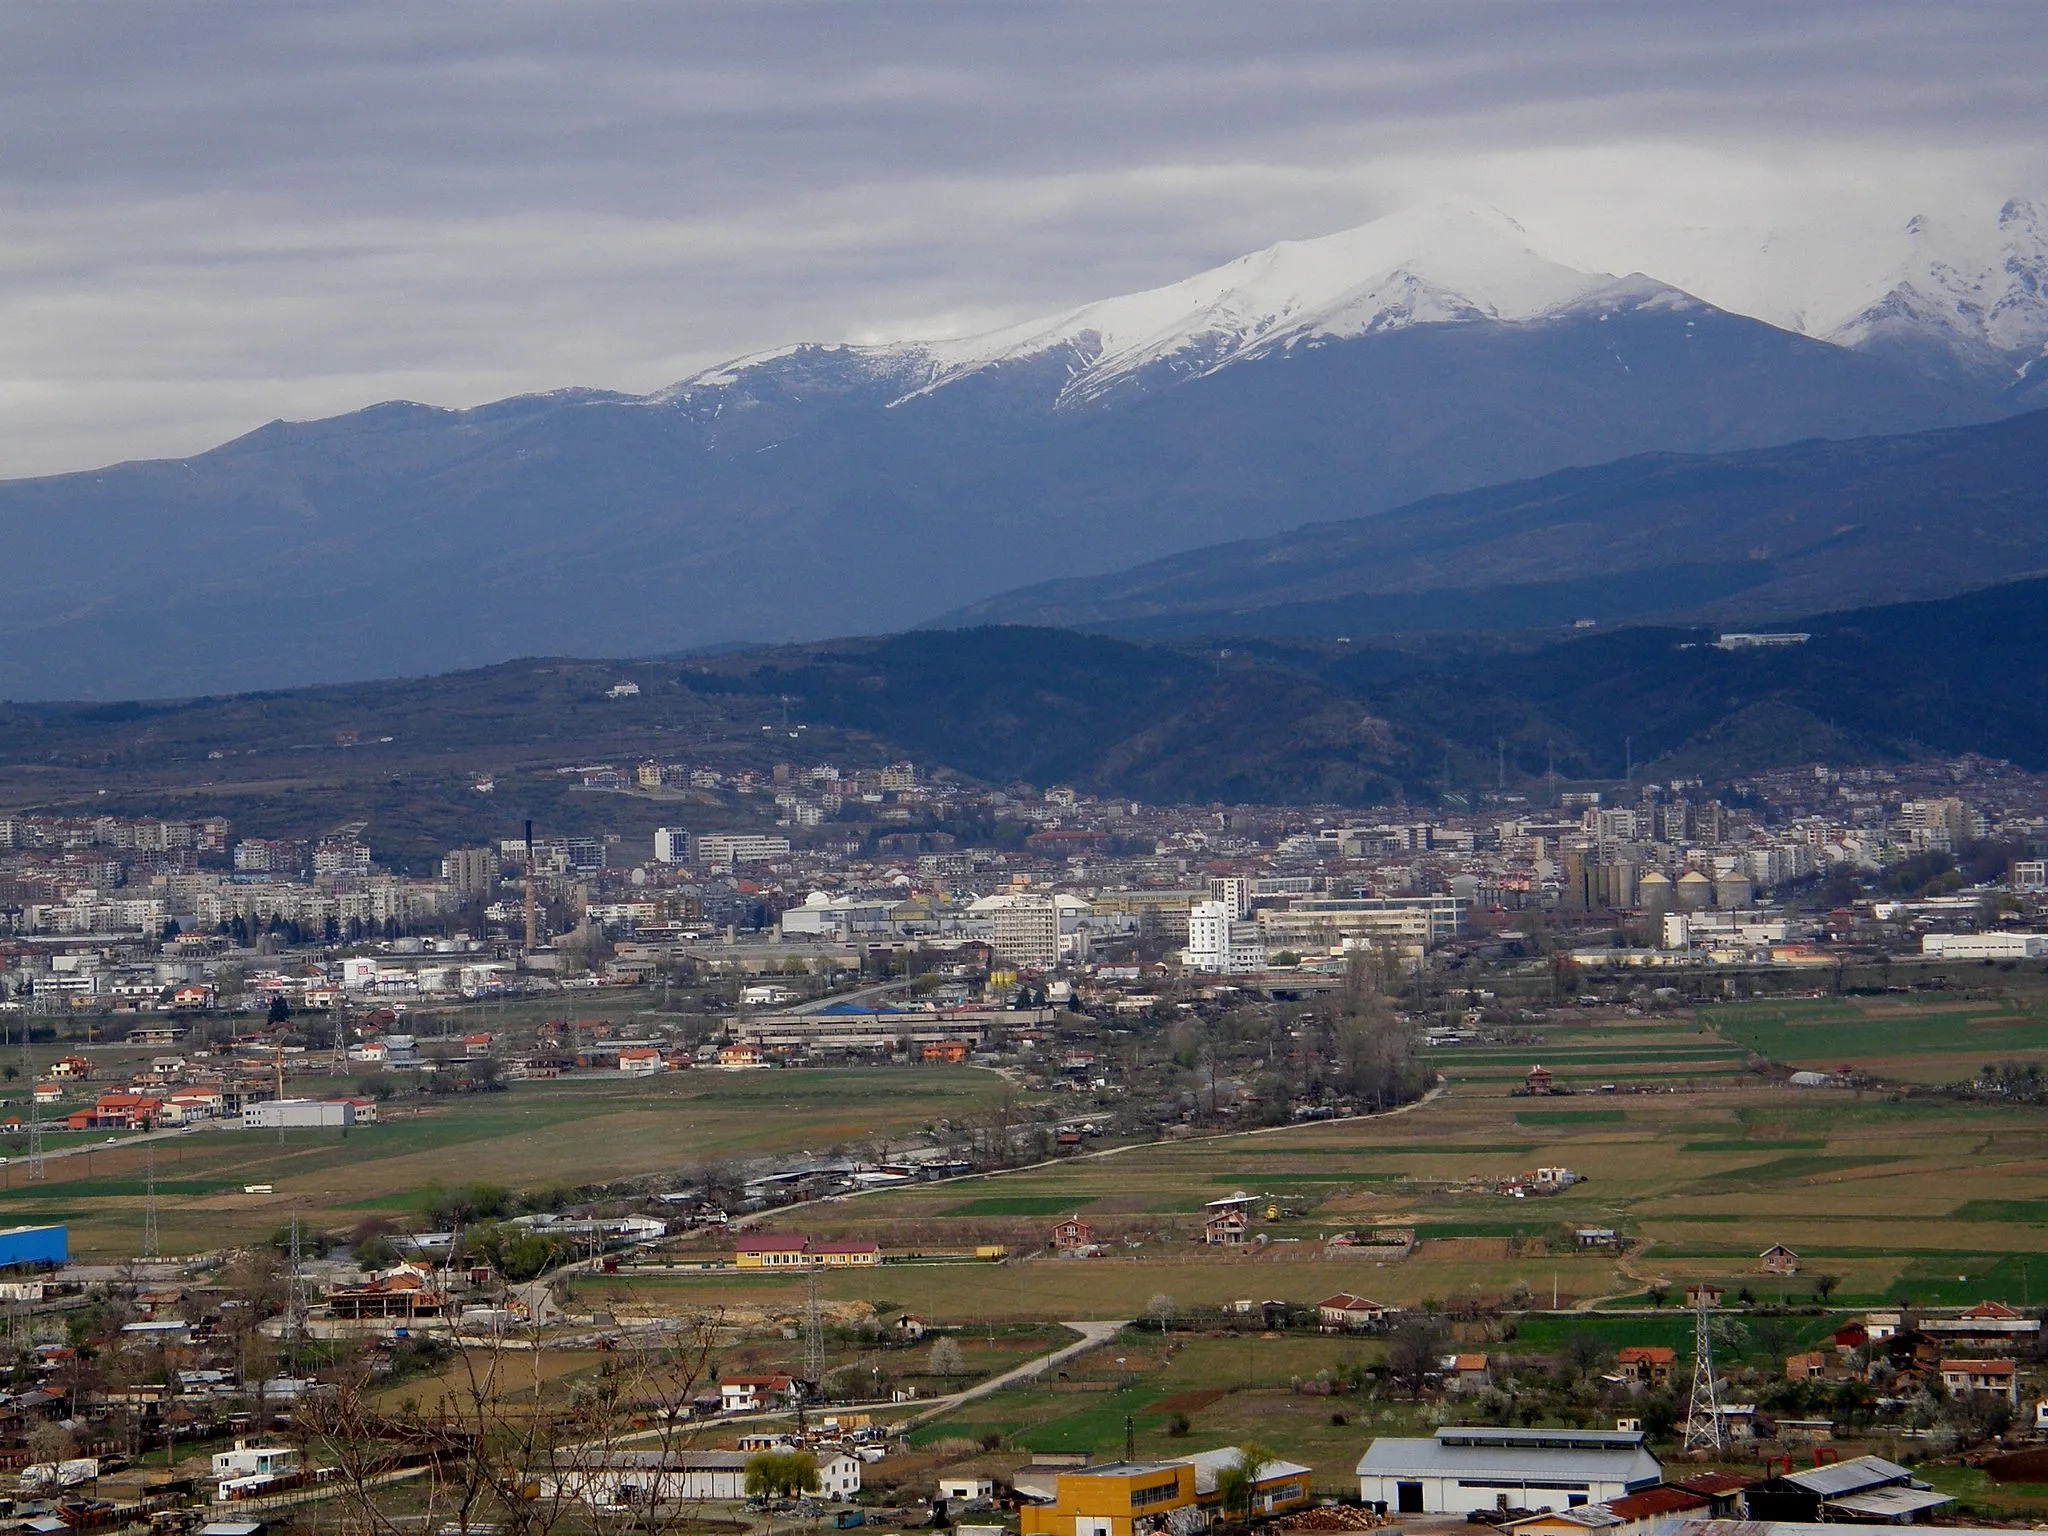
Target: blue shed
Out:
[42,1246]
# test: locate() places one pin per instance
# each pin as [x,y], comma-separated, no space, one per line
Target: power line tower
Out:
[814,1335]
[1703,1419]
[291,1298]
[149,1238]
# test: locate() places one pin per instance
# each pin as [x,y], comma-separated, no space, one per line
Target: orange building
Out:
[1120,1498]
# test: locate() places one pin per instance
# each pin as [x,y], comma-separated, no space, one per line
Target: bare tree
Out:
[1413,1349]
[497,1451]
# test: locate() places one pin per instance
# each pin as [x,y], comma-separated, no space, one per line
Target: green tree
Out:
[781,1474]
[1237,1482]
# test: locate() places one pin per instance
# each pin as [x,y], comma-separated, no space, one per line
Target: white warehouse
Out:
[1468,1468]
[1985,946]
[277,1114]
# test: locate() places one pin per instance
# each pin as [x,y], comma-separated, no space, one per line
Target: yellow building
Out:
[1120,1498]
[792,1250]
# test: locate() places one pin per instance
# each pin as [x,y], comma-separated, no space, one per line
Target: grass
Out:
[1015,1205]
[2022,1211]
[566,1131]
[1957,1279]
[1945,1041]
[1550,1117]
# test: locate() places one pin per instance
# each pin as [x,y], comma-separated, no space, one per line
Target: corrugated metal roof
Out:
[1394,1457]
[1564,1439]
[1208,1463]
[1890,1503]
[1795,1528]
[1852,1476]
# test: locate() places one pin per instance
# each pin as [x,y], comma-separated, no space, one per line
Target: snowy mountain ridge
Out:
[1969,294]
[1980,295]
[1437,265]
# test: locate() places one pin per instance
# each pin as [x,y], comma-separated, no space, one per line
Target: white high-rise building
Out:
[1025,930]
[1222,943]
[671,845]
[1235,892]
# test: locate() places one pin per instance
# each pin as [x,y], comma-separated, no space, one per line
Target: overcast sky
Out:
[216,214]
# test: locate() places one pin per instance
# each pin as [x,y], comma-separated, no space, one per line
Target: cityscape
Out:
[1051,770]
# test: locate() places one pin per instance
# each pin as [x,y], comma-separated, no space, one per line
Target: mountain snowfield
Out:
[1980,294]
[1967,296]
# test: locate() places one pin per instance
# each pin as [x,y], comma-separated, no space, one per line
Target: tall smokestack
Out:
[532,921]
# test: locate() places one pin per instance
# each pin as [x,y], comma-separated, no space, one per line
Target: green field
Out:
[1895,1037]
[567,1131]
[1877,1190]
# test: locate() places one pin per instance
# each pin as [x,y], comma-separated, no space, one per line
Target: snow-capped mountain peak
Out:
[1433,265]
[1444,263]
[1975,290]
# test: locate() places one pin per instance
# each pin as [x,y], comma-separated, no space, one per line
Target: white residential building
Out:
[1221,943]
[671,845]
[722,850]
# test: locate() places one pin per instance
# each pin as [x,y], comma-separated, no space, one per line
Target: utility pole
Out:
[1703,1419]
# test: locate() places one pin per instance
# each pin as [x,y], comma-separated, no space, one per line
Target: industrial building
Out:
[1119,1498]
[298,1114]
[1467,1468]
[1864,1488]
[1985,946]
[40,1247]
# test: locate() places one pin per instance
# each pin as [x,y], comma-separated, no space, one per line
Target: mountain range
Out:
[835,489]
[1734,537]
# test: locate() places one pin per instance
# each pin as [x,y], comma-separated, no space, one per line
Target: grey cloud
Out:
[212,214]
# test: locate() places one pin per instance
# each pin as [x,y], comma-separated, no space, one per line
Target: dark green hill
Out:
[1244,721]
[1663,536]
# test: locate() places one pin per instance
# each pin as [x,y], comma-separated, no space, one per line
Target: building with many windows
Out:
[1222,943]
[1024,928]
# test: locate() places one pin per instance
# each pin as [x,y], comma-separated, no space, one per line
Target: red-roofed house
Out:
[1648,1365]
[118,1112]
[1642,1511]
[752,1394]
[1993,1376]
